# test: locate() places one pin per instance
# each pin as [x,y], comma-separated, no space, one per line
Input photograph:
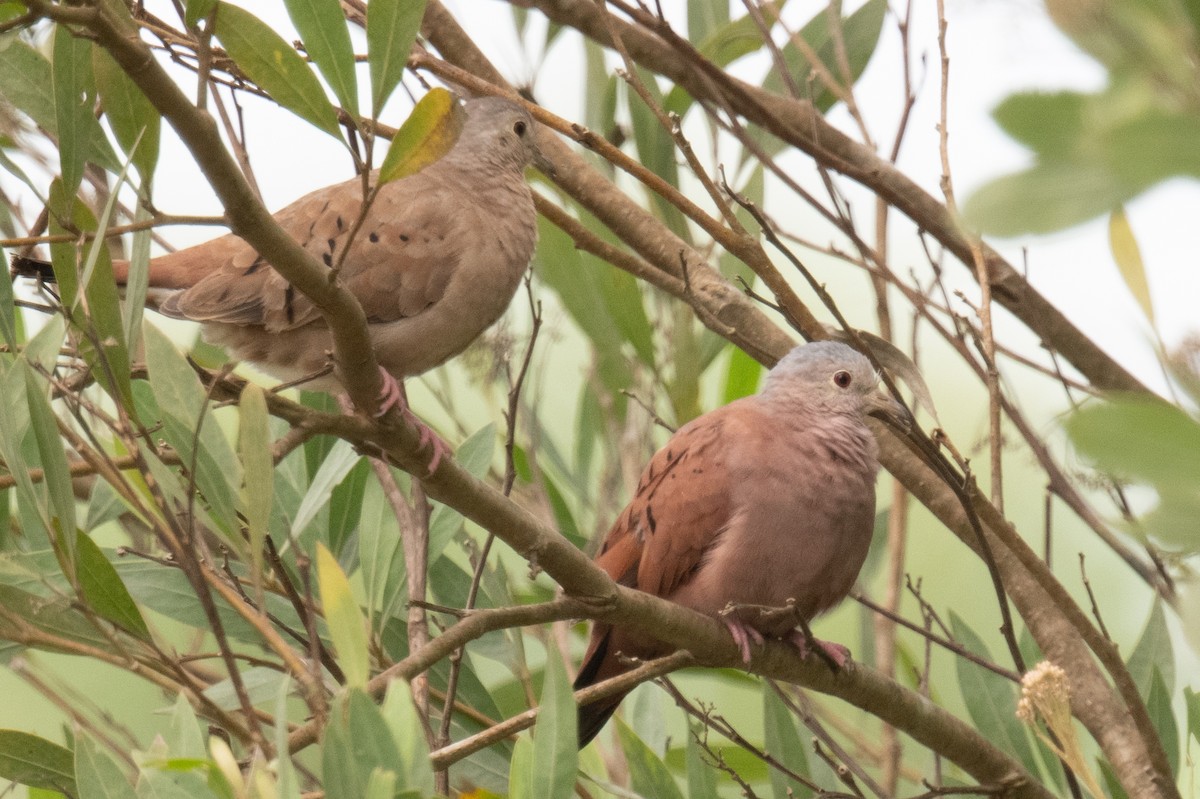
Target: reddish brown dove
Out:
[765,502]
[435,262]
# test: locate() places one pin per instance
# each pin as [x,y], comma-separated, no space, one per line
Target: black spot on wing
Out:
[289,296]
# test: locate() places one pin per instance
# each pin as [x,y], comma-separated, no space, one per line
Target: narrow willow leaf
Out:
[287,785]
[430,132]
[271,63]
[474,455]
[197,10]
[1153,654]
[258,469]
[56,473]
[8,310]
[520,772]
[28,82]
[401,716]
[337,464]
[577,283]
[1128,256]
[358,740]
[29,760]
[98,775]
[991,700]
[392,27]
[1145,439]
[782,741]
[742,377]
[701,777]
[90,291]
[381,784]
[134,119]
[648,774]
[345,620]
[555,737]
[1192,699]
[183,404]
[322,26]
[103,589]
[1158,705]
[184,736]
[74,93]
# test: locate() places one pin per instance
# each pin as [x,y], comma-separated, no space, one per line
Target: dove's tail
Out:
[34,268]
[598,665]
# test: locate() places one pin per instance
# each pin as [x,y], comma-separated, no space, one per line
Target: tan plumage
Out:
[435,262]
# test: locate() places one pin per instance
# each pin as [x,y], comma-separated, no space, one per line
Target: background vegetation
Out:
[181,615]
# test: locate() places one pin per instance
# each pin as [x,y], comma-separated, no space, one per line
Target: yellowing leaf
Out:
[1128,256]
[428,134]
[343,617]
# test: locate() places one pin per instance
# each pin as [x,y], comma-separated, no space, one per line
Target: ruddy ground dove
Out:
[764,503]
[434,263]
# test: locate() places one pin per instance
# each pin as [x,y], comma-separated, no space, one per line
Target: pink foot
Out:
[392,395]
[835,653]
[742,634]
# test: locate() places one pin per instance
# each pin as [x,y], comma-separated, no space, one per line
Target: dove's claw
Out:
[836,654]
[742,634]
[391,394]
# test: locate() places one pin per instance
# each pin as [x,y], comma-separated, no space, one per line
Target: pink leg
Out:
[742,634]
[392,395]
[836,653]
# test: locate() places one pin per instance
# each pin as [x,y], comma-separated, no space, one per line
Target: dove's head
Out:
[832,377]
[502,132]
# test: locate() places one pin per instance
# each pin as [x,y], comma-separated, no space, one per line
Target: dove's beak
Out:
[543,163]
[884,406]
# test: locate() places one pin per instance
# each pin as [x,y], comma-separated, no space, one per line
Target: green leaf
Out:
[183,405]
[287,786]
[578,281]
[648,774]
[742,377]
[271,63]
[55,616]
[1192,699]
[74,94]
[258,468]
[555,737]
[1128,256]
[1049,124]
[656,150]
[701,777]
[1153,654]
[405,725]
[474,455]
[430,132]
[782,741]
[89,290]
[1142,438]
[36,762]
[184,736]
[520,772]
[392,27]
[705,16]
[337,464]
[98,775]
[381,784]
[322,26]
[56,473]
[135,121]
[346,626]
[1158,705]
[197,10]
[991,700]
[103,589]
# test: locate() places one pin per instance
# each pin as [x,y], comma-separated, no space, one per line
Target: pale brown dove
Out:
[764,502]
[435,262]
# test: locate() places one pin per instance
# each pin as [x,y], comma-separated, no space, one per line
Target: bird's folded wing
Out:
[399,263]
[682,504]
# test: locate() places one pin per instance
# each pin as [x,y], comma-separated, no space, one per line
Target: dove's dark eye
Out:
[842,379]
[519,127]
